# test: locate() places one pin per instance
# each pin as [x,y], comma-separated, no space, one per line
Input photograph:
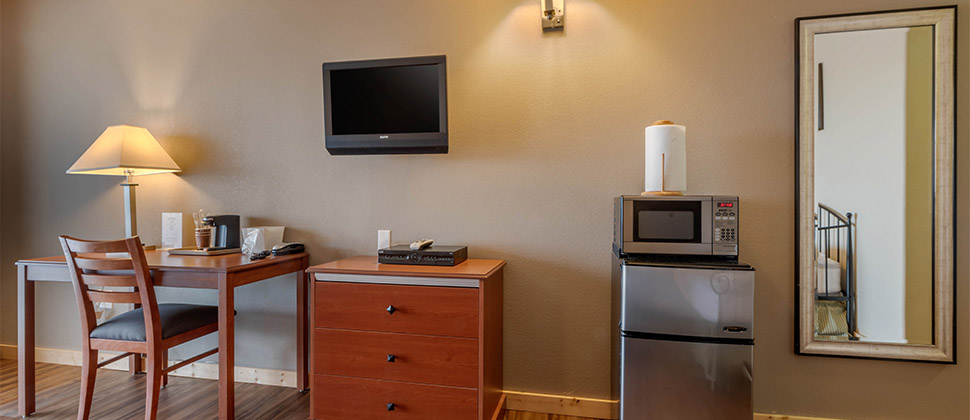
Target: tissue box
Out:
[260,238]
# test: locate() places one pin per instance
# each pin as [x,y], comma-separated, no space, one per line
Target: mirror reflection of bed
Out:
[873,185]
[835,304]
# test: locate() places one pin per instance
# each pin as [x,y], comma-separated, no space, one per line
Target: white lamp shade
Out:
[124,150]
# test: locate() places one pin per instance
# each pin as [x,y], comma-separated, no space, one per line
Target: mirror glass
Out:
[875,185]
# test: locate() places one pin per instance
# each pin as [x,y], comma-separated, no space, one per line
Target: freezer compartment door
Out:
[676,380]
[688,302]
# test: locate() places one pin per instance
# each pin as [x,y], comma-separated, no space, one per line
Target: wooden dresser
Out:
[406,341]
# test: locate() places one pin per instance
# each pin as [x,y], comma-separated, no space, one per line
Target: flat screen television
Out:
[386,106]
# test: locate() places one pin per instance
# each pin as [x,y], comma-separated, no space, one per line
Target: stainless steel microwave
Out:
[688,225]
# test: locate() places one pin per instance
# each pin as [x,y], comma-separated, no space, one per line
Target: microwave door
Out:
[676,227]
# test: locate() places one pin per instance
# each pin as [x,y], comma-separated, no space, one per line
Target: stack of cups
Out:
[203,237]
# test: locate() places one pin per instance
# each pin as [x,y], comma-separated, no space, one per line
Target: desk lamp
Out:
[123,150]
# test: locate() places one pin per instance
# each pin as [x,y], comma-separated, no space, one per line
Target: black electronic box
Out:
[433,255]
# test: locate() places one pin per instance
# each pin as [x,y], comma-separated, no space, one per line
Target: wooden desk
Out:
[223,272]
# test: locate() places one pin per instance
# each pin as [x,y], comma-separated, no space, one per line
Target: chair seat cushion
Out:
[176,318]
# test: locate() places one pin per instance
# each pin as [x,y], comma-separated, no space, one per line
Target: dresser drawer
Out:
[400,357]
[446,311]
[342,398]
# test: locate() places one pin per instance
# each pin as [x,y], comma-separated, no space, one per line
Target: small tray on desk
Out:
[205,252]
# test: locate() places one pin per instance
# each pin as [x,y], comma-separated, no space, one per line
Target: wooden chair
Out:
[150,329]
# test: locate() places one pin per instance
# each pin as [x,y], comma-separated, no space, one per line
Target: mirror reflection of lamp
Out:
[124,150]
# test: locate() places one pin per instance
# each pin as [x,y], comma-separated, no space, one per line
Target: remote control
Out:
[422,244]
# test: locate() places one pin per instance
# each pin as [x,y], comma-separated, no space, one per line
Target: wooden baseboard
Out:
[285,378]
[593,408]
[499,413]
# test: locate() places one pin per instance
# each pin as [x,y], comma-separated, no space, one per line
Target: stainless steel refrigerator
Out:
[683,341]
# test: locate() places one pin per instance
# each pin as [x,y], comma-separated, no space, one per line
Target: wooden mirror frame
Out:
[943,20]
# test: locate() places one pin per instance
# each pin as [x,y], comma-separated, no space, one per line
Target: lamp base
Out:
[131,222]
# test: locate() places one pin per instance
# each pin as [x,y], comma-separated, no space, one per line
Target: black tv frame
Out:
[388,143]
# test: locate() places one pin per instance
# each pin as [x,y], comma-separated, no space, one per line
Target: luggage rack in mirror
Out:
[834,244]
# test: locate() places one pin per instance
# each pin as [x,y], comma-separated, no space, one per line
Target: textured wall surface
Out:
[545,130]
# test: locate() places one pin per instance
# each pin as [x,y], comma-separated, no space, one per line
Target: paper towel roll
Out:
[665,158]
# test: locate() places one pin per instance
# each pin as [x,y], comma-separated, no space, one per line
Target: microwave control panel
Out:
[726,216]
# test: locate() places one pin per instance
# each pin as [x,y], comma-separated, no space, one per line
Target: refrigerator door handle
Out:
[747,371]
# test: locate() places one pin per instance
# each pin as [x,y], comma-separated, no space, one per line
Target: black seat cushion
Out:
[176,318]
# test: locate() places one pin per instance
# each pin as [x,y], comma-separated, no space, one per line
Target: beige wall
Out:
[545,130]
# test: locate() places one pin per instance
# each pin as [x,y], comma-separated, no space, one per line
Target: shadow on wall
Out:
[529,282]
[12,172]
[189,152]
[204,162]
[254,313]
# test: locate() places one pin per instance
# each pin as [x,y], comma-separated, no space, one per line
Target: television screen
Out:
[400,99]
[386,106]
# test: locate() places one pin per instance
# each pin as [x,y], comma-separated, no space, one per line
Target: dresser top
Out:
[471,268]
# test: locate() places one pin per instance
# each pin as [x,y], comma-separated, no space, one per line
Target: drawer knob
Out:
[390,406]
[391,309]
[391,358]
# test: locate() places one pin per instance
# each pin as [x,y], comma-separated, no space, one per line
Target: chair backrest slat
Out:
[91,263]
[107,280]
[96,247]
[113,297]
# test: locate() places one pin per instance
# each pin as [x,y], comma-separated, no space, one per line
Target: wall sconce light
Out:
[553,15]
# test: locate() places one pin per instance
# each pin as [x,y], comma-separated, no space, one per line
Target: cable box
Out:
[433,255]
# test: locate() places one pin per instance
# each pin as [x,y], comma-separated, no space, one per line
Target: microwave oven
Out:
[688,225]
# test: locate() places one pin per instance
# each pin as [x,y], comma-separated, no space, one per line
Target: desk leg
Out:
[135,365]
[227,363]
[25,344]
[302,333]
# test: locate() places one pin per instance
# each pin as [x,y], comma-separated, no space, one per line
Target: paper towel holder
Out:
[663,169]
[663,191]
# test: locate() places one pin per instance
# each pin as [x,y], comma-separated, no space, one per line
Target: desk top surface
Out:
[470,268]
[161,260]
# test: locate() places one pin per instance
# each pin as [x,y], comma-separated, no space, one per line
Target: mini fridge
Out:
[683,340]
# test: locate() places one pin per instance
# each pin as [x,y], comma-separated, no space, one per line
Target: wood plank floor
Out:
[120,396]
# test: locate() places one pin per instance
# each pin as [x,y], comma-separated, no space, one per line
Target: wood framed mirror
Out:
[875,196]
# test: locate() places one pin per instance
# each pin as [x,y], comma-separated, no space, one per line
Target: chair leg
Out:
[164,366]
[89,371]
[153,386]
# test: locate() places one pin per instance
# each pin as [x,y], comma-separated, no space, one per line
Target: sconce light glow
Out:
[553,15]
